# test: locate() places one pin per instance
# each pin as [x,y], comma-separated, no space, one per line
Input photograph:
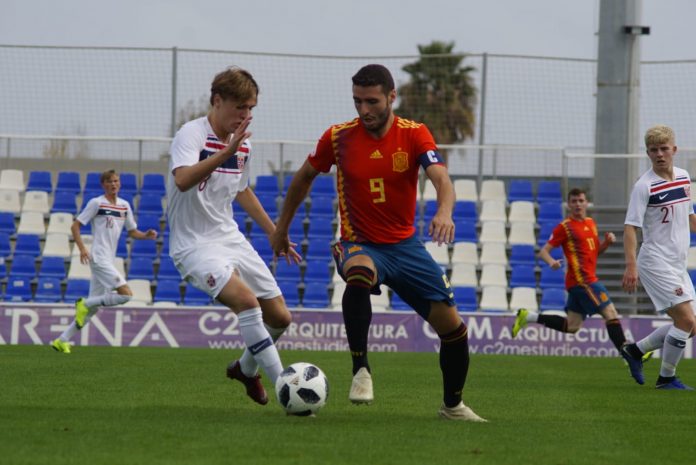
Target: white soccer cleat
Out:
[460,412]
[361,387]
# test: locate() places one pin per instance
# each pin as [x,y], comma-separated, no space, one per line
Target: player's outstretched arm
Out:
[77,236]
[299,187]
[250,203]
[609,239]
[140,235]
[441,228]
[692,222]
[545,255]
[630,277]
[186,177]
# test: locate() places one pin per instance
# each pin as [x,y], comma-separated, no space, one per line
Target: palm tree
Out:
[441,93]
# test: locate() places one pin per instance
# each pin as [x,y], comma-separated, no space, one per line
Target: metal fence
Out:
[136,95]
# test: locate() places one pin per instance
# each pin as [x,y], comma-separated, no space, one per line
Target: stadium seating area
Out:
[492,265]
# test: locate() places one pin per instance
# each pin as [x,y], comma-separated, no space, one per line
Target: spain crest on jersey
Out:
[241,159]
[687,190]
[400,162]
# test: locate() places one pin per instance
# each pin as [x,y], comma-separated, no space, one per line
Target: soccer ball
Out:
[302,389]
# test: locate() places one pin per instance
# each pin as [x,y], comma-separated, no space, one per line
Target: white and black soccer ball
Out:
[302,389]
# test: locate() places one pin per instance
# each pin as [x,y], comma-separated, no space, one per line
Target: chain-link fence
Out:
[145,93]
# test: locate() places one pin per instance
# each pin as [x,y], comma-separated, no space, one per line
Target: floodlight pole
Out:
[618,112]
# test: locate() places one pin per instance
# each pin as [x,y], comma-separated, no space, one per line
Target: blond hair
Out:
[659,134]
[234,83]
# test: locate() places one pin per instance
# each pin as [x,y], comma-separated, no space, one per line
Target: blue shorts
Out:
[406,267]
[588,300]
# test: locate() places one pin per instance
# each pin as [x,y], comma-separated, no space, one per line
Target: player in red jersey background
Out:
[377,157]
[577,234]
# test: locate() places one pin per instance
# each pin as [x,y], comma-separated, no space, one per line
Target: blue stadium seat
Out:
[320,229]
[397,303]
[7,223]
[318,248]
[693,239]
[692,275]
[429,210]
[68,181]
[153,183]
[297,228]
[545,230]
[551,278]
[5,247]
[86,228]
[267,184]
[550,212]
[256,231]
[122,247]
[290,293]
[549,191]
[129,184]
[150,204]
[141,268]
[465,210]
[27,244]
[52,267]
[144,249]
[316,295]
[87,195]
[48,290]
[195,296]
[317,271]
[522,254]
[285,271]
[287,180]
[552,299]
[522,276]
[167,270]
[40,181]
[93,182]
[464,231]
[148,221]
[18,289]
[520,189]
[465,298]
[323,185]
[23,265]
[168,290]
[240,217]
[262,247]
[64,202]
[75,289]
[322,206]
[269,203]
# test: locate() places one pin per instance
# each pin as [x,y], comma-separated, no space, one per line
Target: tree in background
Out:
[440,93]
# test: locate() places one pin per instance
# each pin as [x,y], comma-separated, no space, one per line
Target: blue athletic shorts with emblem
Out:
[588,299]
[406,267]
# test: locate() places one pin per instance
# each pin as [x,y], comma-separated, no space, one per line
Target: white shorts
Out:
[210,266]
[105,278]
[666,287]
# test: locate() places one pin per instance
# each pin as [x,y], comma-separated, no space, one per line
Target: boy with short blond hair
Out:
[661,206]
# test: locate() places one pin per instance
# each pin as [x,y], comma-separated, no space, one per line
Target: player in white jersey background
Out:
[208,169]
[108,214]
[661,206]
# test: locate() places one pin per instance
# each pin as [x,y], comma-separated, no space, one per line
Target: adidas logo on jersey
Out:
[376,154]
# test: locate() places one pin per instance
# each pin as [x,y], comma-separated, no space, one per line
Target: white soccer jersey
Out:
[107,221]
[203,214]
[662,208]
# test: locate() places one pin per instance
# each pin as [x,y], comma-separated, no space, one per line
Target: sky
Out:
[564,28]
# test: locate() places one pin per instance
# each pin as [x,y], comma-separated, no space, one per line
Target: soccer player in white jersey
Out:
[209,168]
[661,206]
[108,214]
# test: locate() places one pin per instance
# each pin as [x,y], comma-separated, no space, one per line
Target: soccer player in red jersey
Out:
[578,236]
[377,157]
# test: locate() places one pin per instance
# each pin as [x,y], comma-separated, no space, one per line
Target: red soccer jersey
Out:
[376,179]
[581,247]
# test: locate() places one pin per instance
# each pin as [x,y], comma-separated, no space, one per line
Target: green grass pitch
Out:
[151,406]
